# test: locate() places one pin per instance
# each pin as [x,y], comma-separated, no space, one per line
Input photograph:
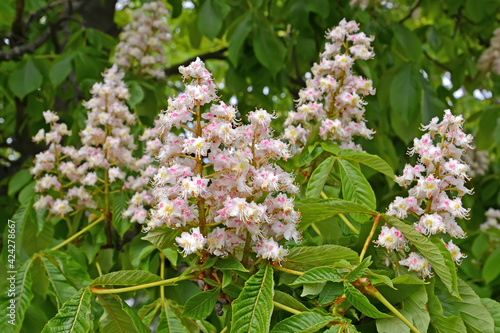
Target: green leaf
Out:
[60,69]
[356,188]
[330,292]
[440,323]
[405,92]
[431,251]
[360,302]
[331,147]
[289,301]
[312,289]
[136,94]
[304,258]
[390,325]
[320,7]
[318,178]
[126,278]
[74,316]
[201,305]
[493,308]
[238,38]
[211,16]
[315,210]
[305,322]
[147,312]
[169,322]
[491,268]
[360,270]
[253,308]
[161,237]
[19,299]
[319,275]
[269,50]
[25,79]
[415,307]
[120,204]
[118,316]
[411,44]
[18,181]
[230,263]
[372,161]
[60,286]
[307,157]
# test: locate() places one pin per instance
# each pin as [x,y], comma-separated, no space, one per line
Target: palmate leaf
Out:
[304,258]
[118,316]
[438,256]
[305,322]
[21,299]
[201,305]
[74,316]
[169,322]
[126,278]
[253,308]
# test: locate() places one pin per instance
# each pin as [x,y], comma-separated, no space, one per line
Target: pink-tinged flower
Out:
[191,242]
[418,264]
[391,239]
[61,207]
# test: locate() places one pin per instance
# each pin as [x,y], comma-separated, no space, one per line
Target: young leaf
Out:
[355,187]
[372,161]
[126,278]
[305,322]
[118,317]
[360,302]
[74,316]
[304,258]
[253,308]
[360,270]
[319,275]
[289,301]
[318,178]
[331,147]
[169,323]
[148,312]
[201,305]
[314,210]
[431,251]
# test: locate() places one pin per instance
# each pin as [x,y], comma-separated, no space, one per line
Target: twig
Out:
[411,11]
[211,55]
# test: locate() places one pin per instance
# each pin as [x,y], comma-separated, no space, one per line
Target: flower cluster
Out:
[142,40]
[72,178]
[478,161]
[490,59]
[333,96]
[440,175]
[215,181]
[492,216]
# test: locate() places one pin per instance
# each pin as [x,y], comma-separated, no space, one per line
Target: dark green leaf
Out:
[268,49]
[61,69]
[411,44]
[330,292]
[118,317]
[491,268]
[307,157]
[60,286]
[360,302]
[169,322]
[25,79]
[318,178]
[302,323]
[126,278]
[161,237]
[372,161]
[304,258]
[319,275]
[201,305]
[406,92]
[74,316]
[210,19]
[18,181]
[253,308]
[230,263]
[360,270]
[441,323]
[238,38]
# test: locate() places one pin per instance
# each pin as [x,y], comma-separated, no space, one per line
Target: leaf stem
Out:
[162,275]
[287,270]
[349,224]
[369,238]
[166,282]
[57,247]
[286,308]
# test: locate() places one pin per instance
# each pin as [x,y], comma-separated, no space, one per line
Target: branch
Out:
[17,25]
[211,55]
[443,66]
[411,11]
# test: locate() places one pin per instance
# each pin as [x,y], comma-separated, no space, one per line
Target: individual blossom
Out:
[216,181]
[490,58]
[455,252]
[141,46]
[333,96]
[418,264]
[391,239]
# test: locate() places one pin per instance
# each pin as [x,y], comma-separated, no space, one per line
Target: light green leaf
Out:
[491,268]
[440,323]
[318,178]
[305,322]
[126,278]
[118,317]
[330,292]
[120,204]
[319,275]
[360,270]
[60,286]
[331,147]
[372,161]
[391,325]
[60,69]
[415,307]
[161,237]
[25,79]
[201,305]
[312,289]
[169,322]
[18,181]
[253,308]
[360,302]
[429,250]
[406,92]
[304,258]
[289,301]
[493,308]
[238,38]
[74,316]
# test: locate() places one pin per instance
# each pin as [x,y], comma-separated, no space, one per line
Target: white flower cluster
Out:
[490,59]
[334,94]
[72,178]
[492,216]
[216,181]
[478,161]
[440,175]
[142,41]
